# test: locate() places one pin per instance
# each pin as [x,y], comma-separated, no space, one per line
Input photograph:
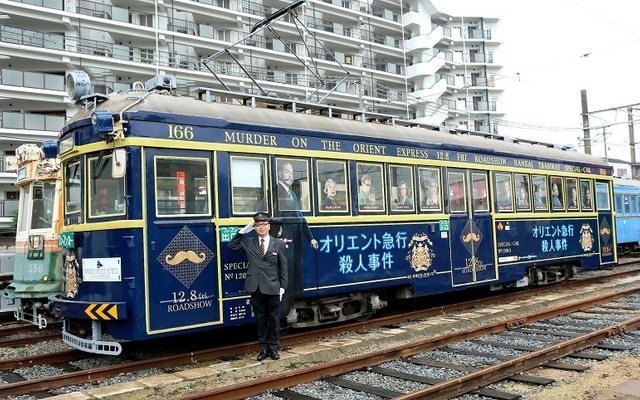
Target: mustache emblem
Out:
[185,255]
[471,236]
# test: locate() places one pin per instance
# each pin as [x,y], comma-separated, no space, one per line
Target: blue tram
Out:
[627,211]
[371,209]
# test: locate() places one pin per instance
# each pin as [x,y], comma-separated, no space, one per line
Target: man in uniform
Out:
[266,280]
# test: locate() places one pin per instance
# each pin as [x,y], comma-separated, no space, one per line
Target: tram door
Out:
[606,223]
[181,270]
[470,226]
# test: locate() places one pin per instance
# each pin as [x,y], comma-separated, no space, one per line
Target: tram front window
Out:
[73,183]
[106,194]
[42,211]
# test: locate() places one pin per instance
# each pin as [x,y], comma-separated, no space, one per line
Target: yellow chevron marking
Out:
[89,310]
[100,310]
[113,311]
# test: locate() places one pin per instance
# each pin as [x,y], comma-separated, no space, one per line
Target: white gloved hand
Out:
[248,228]
[281,293]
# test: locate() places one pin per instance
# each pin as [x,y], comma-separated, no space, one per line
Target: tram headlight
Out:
[102,121]
[50,148]
[45,278]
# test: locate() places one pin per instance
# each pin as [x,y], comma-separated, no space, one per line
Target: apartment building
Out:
[405,59]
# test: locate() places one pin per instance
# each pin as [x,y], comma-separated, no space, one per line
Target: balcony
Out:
[421,42]
[483,106]
[28,121]
[478,58]
[423,69]
[434,92]
[477,34]
[8,211]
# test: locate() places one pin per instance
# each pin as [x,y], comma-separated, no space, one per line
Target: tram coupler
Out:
[34,318]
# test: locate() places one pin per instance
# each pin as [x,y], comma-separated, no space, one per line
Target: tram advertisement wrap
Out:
[359,257]
[519,241]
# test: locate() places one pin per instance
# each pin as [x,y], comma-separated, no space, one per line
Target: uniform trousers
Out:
[266,308]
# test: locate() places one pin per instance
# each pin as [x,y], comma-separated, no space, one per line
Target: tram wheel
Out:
[364,317]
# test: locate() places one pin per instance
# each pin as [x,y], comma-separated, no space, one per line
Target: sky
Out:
[550,50]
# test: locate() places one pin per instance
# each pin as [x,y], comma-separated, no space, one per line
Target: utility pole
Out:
[585,123]
[604,138]
[632,143]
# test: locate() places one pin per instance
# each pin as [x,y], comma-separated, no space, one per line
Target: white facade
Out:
[403,58]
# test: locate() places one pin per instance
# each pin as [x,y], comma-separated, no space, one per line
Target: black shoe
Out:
[274,355]
[261,356]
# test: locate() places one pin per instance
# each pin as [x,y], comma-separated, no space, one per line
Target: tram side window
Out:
[332,183]
[430,190]
[503,194]
[618,199]
[523,189]
[457,192]
[43,203]
[401,191]
[586,196]
[540,197]
[23,217]
[73,199]
[106,194]
[371,189]
[602,196]
[627,206]
[248,185]
[573,203]
[294,193]
[479,191]
[181,186]
[557,198]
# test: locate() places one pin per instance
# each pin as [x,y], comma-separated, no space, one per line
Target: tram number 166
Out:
[180,132]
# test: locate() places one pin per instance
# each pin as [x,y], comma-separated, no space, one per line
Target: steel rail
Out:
[284,380]
[476,380]
[80,377]
[41,359]
[14,342]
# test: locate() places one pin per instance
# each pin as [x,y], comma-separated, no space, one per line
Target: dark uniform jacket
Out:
[268,273]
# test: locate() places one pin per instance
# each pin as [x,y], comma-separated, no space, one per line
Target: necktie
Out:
[262,247]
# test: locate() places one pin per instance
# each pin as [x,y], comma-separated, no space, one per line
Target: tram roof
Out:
[626,182]
[312,118]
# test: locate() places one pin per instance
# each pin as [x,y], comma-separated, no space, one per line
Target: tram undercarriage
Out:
[308,313]
[548,274]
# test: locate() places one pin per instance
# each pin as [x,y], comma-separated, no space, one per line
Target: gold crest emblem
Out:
[420,254]
[586,237]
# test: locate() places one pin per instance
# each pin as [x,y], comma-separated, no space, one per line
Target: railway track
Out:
[168,363]
[14,333]
[578,336]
